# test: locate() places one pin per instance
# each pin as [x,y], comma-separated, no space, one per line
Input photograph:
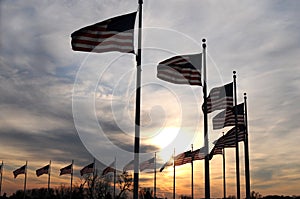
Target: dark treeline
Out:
[106,192]
[64,193]
[253,195]
[91,187]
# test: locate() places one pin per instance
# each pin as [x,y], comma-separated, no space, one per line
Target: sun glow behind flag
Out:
[114,34]
[181,69]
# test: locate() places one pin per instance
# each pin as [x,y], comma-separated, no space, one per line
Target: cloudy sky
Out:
[59,105]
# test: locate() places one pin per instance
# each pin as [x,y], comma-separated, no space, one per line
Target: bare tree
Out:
[125,184]
[255,195]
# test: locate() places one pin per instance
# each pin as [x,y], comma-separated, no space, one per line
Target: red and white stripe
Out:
[219,99]
[185,69]
[148,164]
[227,118]
[183,158]
[114,34]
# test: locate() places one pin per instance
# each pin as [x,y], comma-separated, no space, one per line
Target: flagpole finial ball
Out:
[234,74]
[203,43]
[245,94]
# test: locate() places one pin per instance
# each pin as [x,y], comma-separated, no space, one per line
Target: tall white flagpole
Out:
[206,163]
[237,161]
[138,106]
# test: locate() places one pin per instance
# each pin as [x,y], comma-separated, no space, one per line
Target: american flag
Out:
[21,170]
[109,169]
[129,166]
[183,158]
[216,151]
[227,117]
[43,170]
[228,140]
[148,164]
[66,170]
[198,154]
[87,169]
[182,69]
[114,34]
[167,164]
[189,156]
[220,98]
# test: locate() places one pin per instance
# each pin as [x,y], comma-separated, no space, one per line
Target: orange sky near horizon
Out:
[164,179]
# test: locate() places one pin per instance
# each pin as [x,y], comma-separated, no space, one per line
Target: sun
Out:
[165,136]
[163,139]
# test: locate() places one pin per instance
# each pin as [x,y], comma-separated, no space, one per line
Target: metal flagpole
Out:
[138,106]
[207,183]
[192,176]
[1,172]
[238,193]
[49,173]
[94,167]
[246,149]
[224,172]
[115,177]
[25,181]
[174,184]
[154,175]
[94,180]
[71,179]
